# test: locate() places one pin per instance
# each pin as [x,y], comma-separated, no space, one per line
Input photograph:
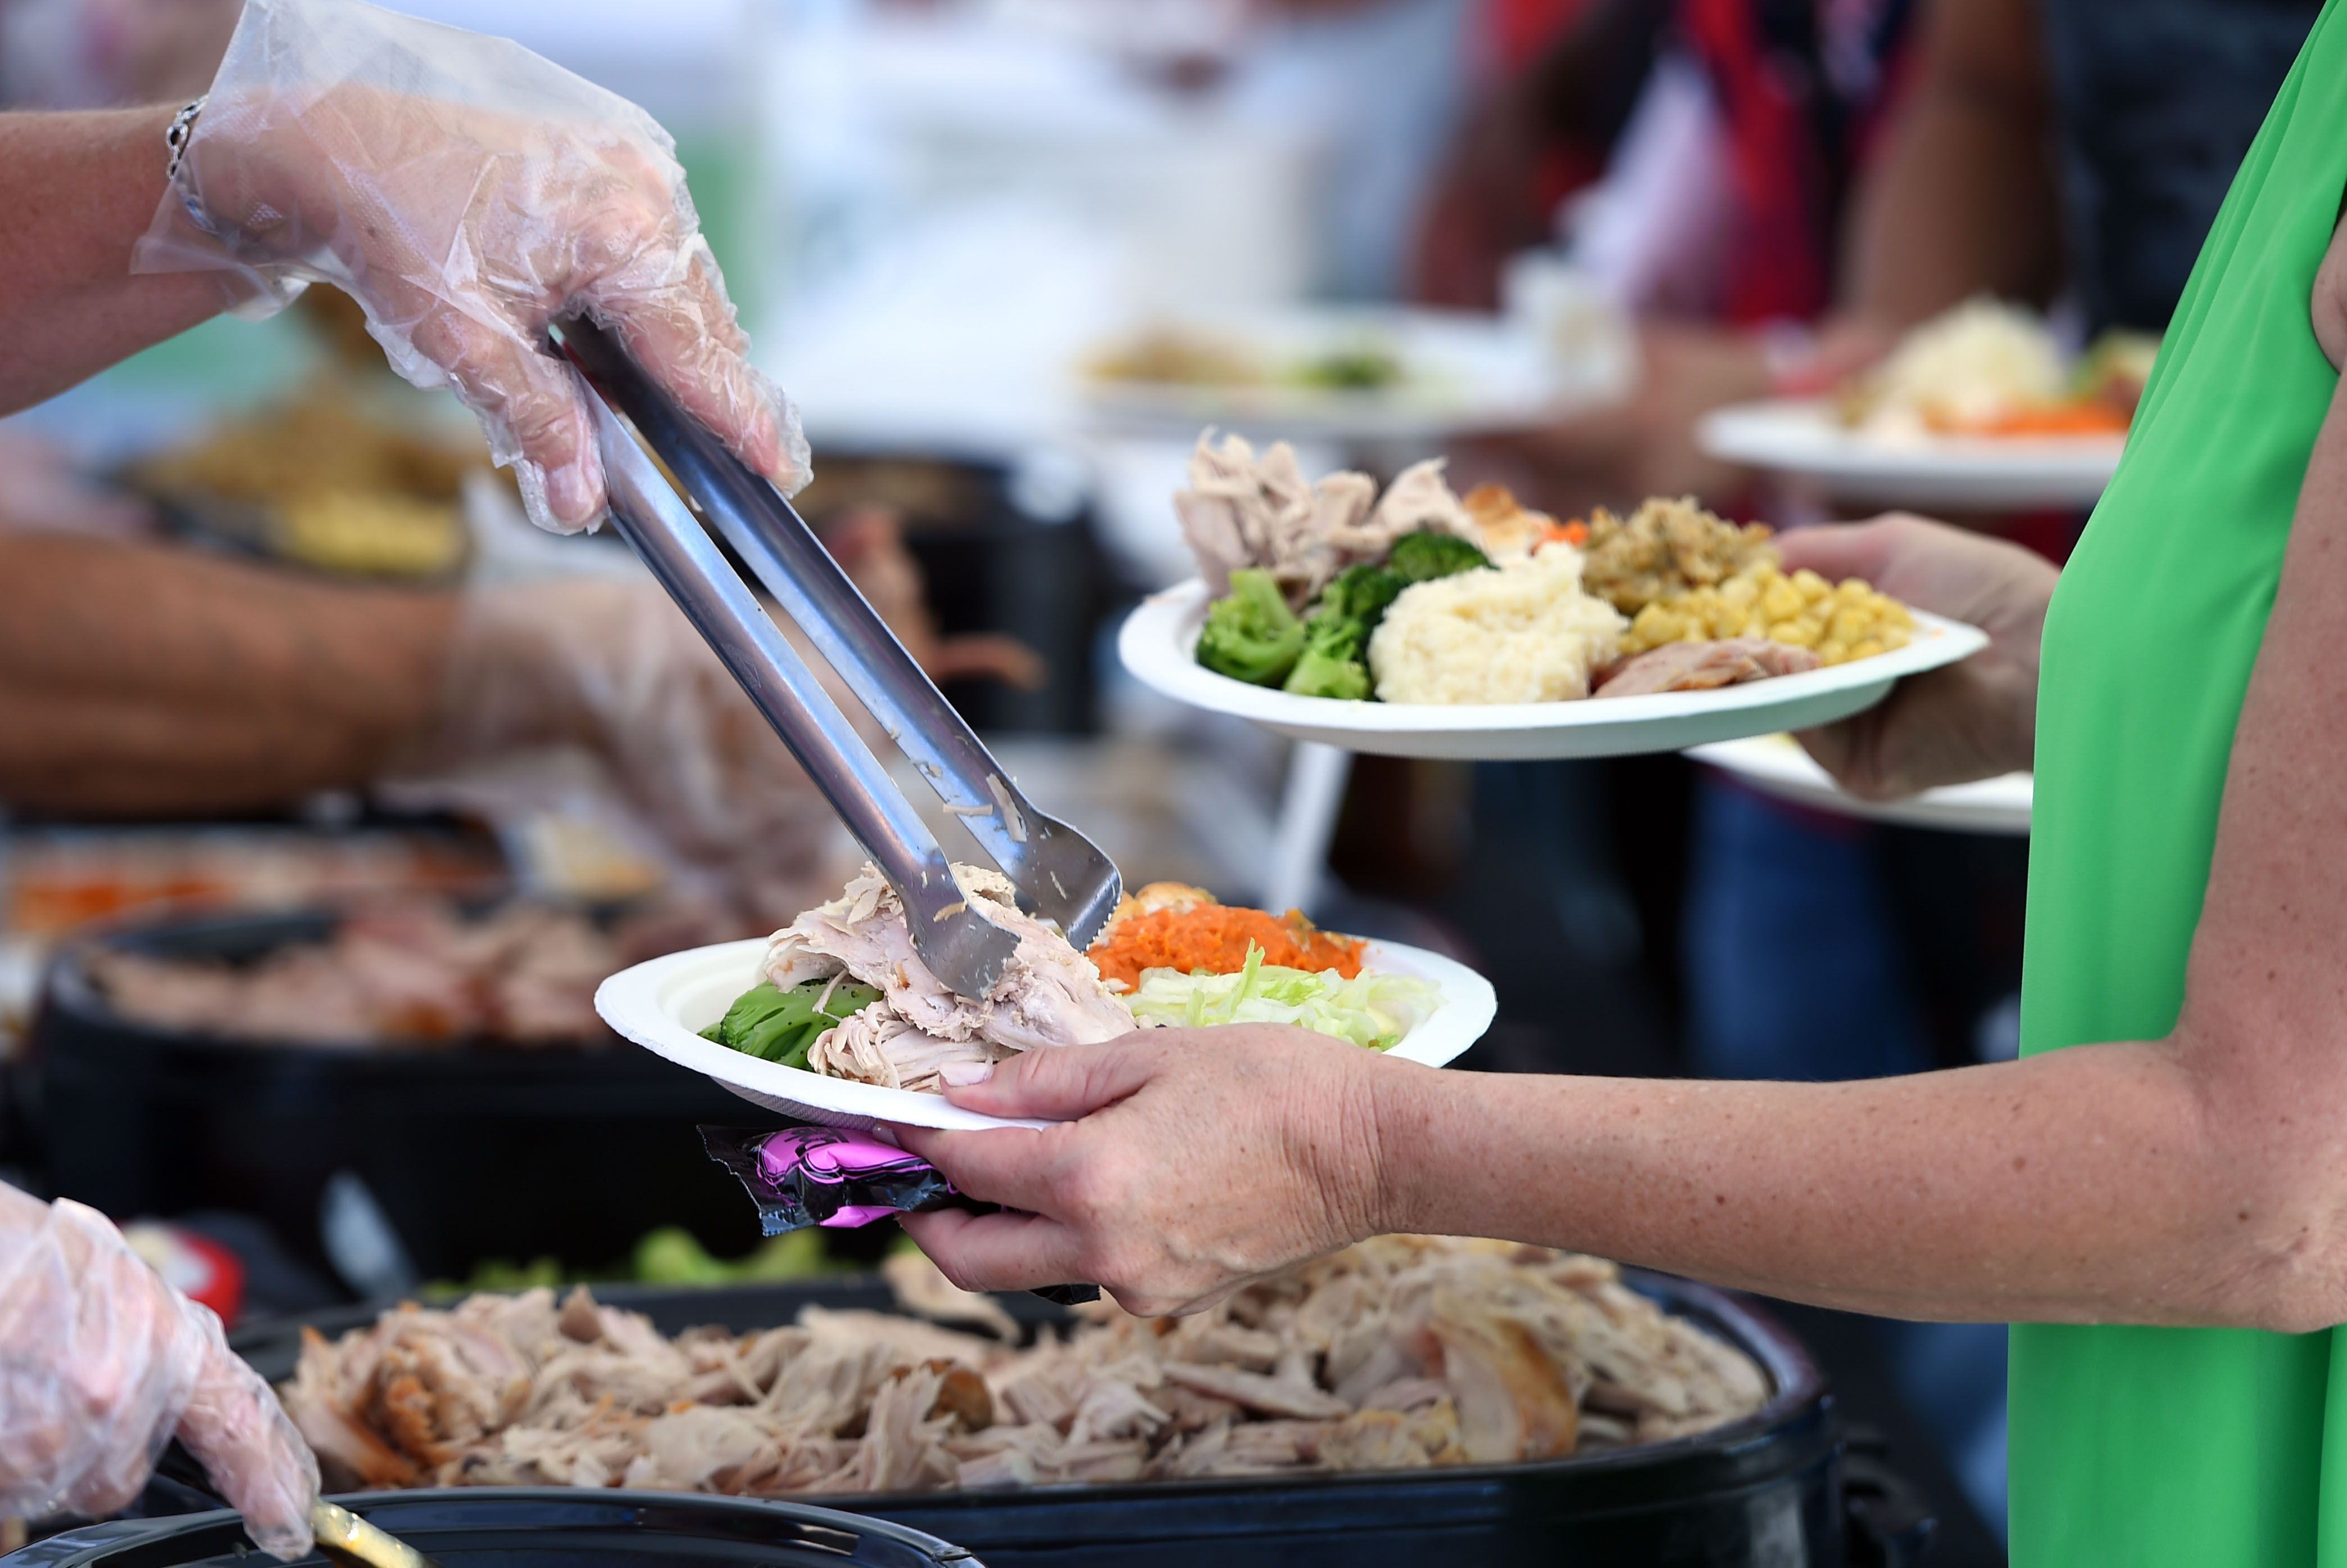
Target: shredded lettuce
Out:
[1370,1010]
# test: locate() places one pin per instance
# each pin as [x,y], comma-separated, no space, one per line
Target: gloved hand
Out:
[610,666]
[101,1363]
[466,192]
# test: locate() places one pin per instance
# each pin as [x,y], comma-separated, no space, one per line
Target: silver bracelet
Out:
[182,131]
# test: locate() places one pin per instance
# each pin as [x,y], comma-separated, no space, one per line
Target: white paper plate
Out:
[1462,375]
[663,1005]
[1776,765]
[1803,441]
[1159,639]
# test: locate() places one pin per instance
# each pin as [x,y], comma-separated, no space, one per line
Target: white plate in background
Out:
[1462,374]
[664,1004]
[1777,765]
[1803,441]
[1159,639]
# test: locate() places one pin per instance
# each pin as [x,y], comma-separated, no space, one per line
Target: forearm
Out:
[81,189]
[2082,1185]
[136,681]
[1961,199]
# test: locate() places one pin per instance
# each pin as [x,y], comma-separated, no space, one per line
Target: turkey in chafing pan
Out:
[1401,1353]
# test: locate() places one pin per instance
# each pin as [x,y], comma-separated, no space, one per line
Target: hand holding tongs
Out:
[1059,875]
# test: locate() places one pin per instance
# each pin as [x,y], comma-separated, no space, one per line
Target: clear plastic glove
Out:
[466,192]
[101,1363]
[610,667]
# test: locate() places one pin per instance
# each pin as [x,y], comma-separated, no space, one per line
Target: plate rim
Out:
[1971,807]
[1157,646]
[1451,391]
[633,1002]
[1827,449]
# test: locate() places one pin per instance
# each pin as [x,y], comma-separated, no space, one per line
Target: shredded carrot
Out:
[1215,937]
[1574,533]
[2083,417]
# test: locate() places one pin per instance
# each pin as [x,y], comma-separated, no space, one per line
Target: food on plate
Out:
[1186,356]
[1489,601]
[1425,557]
[2115,369]
[1182,960]
[1334,658]
[1241,510]
[1667,547]
[776,1025]
[1703,666]
[1250,633]
[415,973]
[1334,661]
[1362,368]
[1177,356]
[1049,993]
[1168,925]
[845,995]
[1838,623]
[1526,632]
[1988,368]
[1509,530]
[1404,1352]
[1374,1012]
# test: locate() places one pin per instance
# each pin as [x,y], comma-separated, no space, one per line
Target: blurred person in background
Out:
[1795,185]
[236,687]
[465,194]
[2152,1195]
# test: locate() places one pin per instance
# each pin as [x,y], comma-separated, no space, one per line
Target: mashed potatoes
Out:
[1977,363]
[1523,634]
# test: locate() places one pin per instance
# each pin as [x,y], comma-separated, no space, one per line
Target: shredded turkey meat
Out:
[1048,994]
[1703,666]
[1245,510]
[1401,1353]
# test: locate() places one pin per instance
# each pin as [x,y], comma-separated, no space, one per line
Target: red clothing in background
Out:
[1802,88]
[1517,32]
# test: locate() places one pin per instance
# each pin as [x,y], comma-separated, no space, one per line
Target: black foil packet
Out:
[829,1176]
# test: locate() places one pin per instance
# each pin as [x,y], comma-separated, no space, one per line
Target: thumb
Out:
[250,1448]
[1061,1082]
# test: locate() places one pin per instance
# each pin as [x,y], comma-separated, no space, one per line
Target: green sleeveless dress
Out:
[2195,1447]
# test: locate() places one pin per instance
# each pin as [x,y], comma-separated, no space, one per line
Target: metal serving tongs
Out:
[342,1536]
[1059,875]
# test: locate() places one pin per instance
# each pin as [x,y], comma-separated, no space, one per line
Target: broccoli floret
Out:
[1331,665]
[1251,635]
[1422,557]
[1359,593]
[1352,370]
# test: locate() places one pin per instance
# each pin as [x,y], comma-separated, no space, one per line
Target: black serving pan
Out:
[1767,1491]
[554,1527]
[473,1152]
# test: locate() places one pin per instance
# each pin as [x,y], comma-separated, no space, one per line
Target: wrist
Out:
[1397,1119]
